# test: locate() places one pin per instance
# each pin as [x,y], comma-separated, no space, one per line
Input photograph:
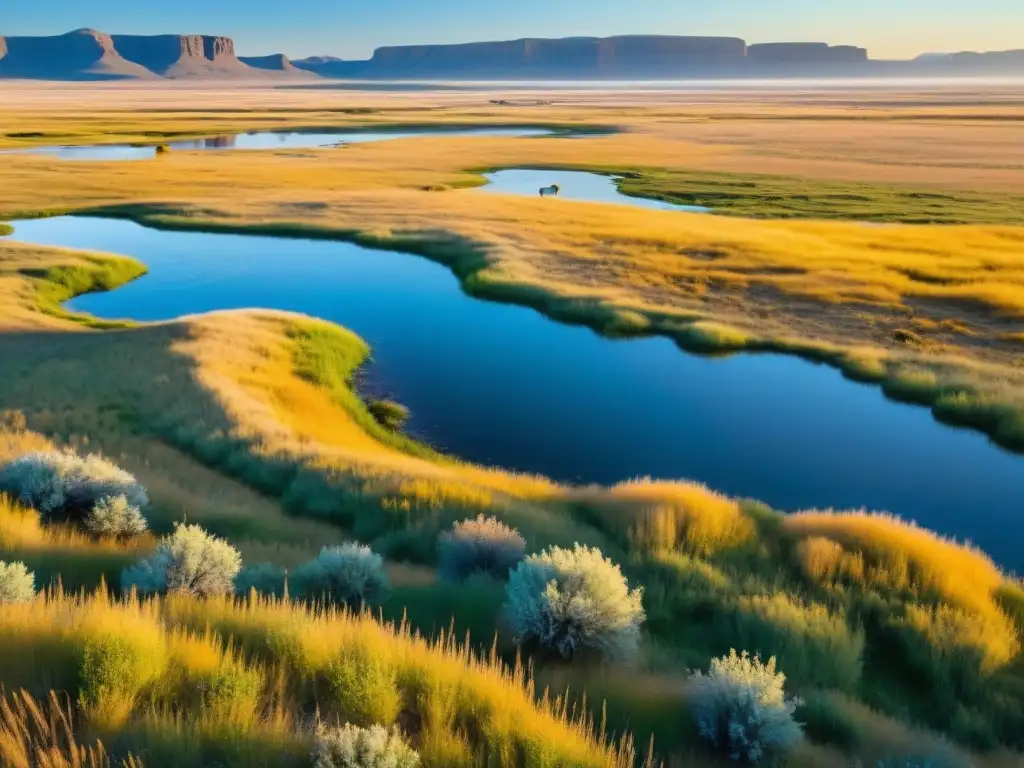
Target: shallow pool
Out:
[573,185]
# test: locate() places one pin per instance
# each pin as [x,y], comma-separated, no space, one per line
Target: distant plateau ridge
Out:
[86,54]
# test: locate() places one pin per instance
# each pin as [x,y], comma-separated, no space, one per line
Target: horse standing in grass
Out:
[551,191]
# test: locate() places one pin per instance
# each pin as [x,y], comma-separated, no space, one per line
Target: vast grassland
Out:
[901,644]
[934,314]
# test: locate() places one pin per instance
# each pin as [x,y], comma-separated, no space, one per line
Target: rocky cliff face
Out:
[183,56]
[276,63]
[580,56]
[84,54]
[805,53]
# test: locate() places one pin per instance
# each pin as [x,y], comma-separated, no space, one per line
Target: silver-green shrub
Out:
[352,575]
[741,707]
[17,583]
[191,561]
[115,517]
[484,545]
[570,600]
[352,747]
[64,484]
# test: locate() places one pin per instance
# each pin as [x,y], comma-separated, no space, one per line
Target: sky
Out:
[353,28]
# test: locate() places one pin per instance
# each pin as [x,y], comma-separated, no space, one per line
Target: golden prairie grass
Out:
[905,556]
[62,552]
[41,734]
[159,664]
[665,517]
[959,585]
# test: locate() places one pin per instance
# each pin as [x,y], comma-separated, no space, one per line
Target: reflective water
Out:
[573,185]
[269,140]
[502,385]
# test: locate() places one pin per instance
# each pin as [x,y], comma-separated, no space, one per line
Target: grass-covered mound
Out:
[185,682]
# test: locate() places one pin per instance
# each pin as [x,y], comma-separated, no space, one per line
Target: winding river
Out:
[502,385]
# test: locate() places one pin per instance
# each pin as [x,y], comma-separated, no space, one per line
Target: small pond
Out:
[270,140]
[502,385]
[573,185]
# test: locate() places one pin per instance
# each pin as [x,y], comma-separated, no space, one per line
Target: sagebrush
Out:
[190,560]
[353,747]
[571,600]
[62,484]
[741,707]
[116,517]
[483,545]
[17,583]
[351,575]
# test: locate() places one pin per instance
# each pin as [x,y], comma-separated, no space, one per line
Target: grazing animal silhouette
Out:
[552,191]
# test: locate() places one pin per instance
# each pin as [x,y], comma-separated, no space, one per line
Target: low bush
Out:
[364,687]
[190,560]
[572,600]
[483,545]
[352,575]
[352,747]
[266,578]
[816,645]
[740,706]
[61,484]
[826,723]
[114,517]
[656,517]
[17,583]
[388,414]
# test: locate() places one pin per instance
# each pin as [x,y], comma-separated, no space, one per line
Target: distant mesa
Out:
[84,54]
[806,53]
[182,56]
[90,55]
[276,62]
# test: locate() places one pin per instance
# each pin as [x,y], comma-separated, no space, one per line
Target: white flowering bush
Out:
[570,600]
[484,545]
[17,583]
[191,561]
[115,517]
[352,747]
[351,574]
[66,485]
[741,707]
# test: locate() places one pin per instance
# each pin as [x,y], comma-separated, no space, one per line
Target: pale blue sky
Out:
[353,28]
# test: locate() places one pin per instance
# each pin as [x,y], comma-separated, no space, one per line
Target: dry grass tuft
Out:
[665,517]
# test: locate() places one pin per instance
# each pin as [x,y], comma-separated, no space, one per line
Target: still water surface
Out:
[574,185]
[269,140]
[502,385]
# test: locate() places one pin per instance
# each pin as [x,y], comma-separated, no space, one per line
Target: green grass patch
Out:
[55,285]
[329,356]
[6,229]
[763,196]
[791,197]
[388,414]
